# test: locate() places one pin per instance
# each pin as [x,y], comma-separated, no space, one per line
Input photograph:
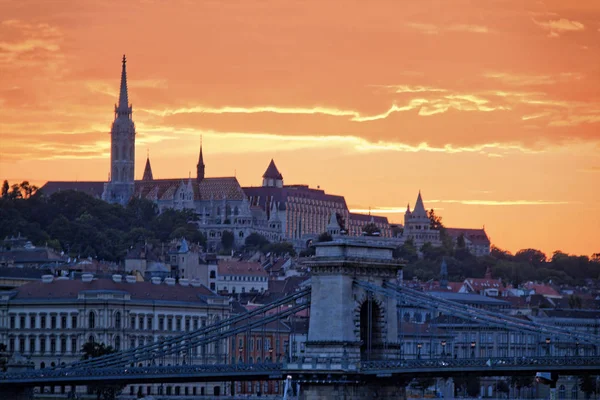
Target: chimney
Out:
[117,278]
[47,278]
[156,280]
[130,279]
[87,277]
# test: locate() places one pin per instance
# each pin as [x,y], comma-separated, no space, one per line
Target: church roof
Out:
[92,188]
[147,171]
[123,97]
[366,218]
[215,188]
[272,172]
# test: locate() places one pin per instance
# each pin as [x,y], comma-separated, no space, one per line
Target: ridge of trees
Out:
[525,265]
[83,226]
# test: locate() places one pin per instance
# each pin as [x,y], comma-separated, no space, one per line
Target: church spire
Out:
[148,170]
[123,108]
[200,167]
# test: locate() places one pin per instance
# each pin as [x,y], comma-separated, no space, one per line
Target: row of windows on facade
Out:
[173,323]
[233,289]
[244,278]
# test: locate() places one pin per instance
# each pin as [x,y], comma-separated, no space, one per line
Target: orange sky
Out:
[491,108]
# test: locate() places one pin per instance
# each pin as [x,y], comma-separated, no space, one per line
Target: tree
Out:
[227,240]
[102,391]
[436,220]
[5,188]
[531,256]
[468,384]
[325,237]
[587,384]
[256,241]
[521,381]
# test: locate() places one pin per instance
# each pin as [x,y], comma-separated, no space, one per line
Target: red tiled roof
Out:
[234,267]
[542,289]
[215,188]
[70,289]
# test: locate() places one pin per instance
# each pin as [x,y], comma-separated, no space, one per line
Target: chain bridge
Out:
[356,339]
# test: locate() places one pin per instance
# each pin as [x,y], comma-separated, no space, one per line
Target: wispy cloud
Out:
[431,29]
[532,80]
[555,27]
[504,202]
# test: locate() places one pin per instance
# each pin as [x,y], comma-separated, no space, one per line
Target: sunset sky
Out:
[491,108]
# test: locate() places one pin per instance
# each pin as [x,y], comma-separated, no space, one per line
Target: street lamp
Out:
[577,347]
[473,349]
[547,346]
[443,348]
[270,354]
[241,353]
[419,345]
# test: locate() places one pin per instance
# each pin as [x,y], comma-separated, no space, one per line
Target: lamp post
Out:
[473,349]
[419,345]
[548,346]
[443,348]
[577,347]
[270,354]
[242,354]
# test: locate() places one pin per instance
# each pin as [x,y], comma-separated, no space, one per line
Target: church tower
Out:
[120,187]
[200,166]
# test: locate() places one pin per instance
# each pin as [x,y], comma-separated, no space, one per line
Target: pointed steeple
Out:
[147,170]
[419,207]
[123,108]
[407,208]
[200,168]
[272,177]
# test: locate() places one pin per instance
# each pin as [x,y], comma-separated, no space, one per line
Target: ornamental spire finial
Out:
[123,97]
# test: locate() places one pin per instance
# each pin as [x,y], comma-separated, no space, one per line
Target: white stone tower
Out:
[120,186]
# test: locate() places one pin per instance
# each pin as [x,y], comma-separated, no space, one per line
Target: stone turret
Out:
[272,177]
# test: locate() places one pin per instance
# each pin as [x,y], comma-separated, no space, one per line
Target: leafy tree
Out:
[227,240]
[587,384]
[256,241]
[531,256]
[281,248]
[102,391]
[325,237]
[467,383]
[408,251]
[521,381]
[436,220]
[5,188]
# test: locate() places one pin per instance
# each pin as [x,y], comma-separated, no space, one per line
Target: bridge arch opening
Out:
[370,328]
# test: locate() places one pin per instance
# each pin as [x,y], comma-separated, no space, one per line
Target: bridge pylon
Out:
[348,324]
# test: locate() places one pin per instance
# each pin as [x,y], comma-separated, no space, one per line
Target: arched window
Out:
[241,234]
[43,365]
[92,320]
[561,392]
[118,320]
[236,211]
[91,339]
[574,392]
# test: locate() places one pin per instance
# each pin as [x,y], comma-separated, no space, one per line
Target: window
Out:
[12,322]
[74,321]
[92,320]
[74,345]
[21,345]
[32,345]
[132,322]
[63,322]
[178,324]
[212,286]
[161,323]
[132,343]
[52,345]
[170,324]
[187,325]
[149,321]
[141,319]
[213,275]
[32,322]
[63,345]
[22,322]
[43,345]
[53,322]
[118,320]
[195,324]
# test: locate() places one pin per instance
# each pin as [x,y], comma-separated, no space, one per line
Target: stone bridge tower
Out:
[348,324]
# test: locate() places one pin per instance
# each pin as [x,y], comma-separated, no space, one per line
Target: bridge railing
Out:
[504,362]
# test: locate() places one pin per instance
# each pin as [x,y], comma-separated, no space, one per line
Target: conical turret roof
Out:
[272,172]
[147,171]
[419,207]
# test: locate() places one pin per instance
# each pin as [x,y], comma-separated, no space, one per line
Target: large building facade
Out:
[50,321]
